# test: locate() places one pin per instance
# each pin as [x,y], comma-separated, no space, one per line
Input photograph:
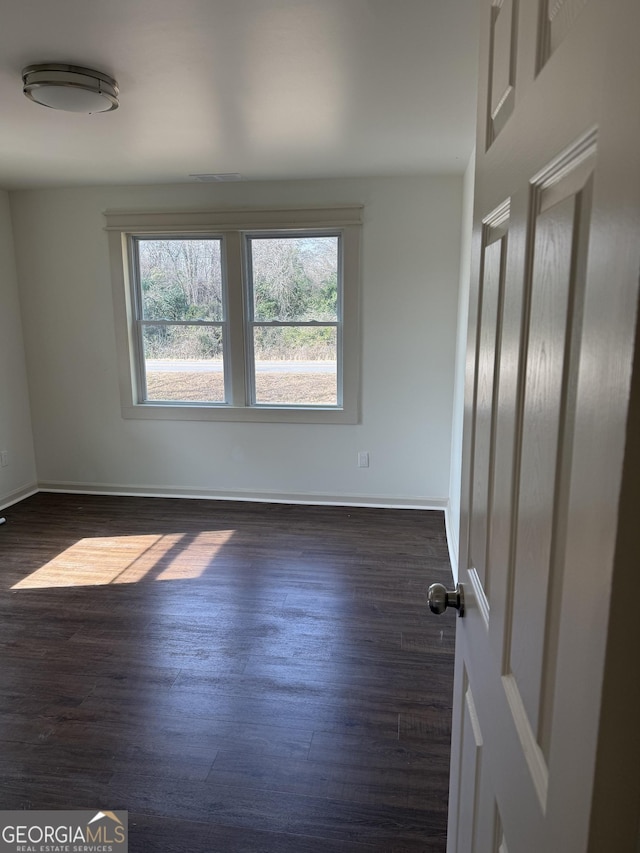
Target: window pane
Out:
[184,363]
[181,279]
[296,365]
[294,278]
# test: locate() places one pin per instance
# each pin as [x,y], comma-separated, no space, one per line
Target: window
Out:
[180,319]
[295,309]
[238,315]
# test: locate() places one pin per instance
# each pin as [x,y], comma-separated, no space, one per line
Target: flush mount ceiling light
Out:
[70,87]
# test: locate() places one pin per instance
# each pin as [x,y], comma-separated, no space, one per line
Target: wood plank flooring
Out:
[240,677]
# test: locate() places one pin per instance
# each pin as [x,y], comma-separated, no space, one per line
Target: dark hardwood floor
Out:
[240,677]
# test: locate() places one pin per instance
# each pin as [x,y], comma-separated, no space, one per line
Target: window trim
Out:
[234,226]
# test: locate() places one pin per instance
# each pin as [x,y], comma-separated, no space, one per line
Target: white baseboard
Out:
[317,498]
[452,541]
[18,495]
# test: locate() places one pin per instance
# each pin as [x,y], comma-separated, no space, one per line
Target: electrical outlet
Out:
[363,459]
[4,458]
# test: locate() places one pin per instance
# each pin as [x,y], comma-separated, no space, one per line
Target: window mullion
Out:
[196,323]
[236,369]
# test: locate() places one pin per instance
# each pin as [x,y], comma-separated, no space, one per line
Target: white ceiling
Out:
[271,89]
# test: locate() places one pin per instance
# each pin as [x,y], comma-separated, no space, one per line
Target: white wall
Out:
[18,477]
[453,510]
[411,245]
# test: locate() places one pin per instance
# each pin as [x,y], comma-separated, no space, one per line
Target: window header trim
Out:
[238,219]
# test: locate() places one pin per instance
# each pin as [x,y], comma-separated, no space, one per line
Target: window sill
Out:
[258,414]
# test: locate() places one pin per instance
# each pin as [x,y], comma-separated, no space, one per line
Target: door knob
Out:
[439,598]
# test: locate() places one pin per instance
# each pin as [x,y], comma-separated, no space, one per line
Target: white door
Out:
[554,296]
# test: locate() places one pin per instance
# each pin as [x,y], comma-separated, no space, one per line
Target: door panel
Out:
[501,66]
[488,335]
[549,360]
[472,764]
[557,19]
[478,819]
[549,374]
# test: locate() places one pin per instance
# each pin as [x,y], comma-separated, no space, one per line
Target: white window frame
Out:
[234,227]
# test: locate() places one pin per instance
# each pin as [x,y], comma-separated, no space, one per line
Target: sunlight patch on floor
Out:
[98,561]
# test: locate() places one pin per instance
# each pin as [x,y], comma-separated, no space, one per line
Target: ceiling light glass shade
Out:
[70,87]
